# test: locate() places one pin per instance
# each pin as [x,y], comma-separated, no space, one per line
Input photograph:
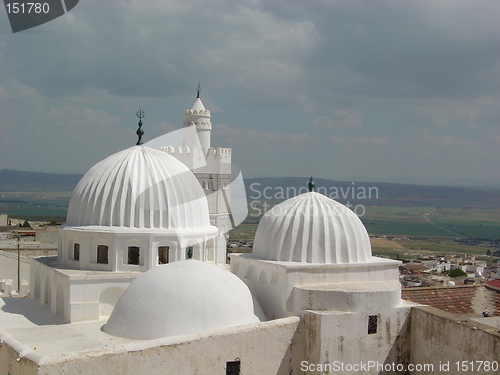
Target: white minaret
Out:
[212,168]
[198,116]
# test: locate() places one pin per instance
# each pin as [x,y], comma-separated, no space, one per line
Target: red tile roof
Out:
[456,299]
[494,283]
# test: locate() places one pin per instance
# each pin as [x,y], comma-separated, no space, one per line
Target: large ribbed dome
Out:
[312,228]
[180,298]
[139,187]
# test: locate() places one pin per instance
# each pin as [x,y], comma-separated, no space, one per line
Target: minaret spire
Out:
[199,116]
[139,132]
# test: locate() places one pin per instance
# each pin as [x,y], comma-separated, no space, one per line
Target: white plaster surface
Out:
[273,282]
[439,337]
[139,197]
[76,294]
[312,228]
[8,267]
[342,336]
[492,321]
[180,298]
[35,341]
[139,187]
[212,168]
[198,116]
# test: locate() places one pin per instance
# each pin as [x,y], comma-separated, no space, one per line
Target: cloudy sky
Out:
[405,91]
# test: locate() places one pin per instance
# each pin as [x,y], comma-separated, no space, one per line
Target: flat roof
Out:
[43,337]
[40,331]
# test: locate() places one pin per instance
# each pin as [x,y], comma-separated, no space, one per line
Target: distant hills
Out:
[373,193]
[280,188]
[12,181]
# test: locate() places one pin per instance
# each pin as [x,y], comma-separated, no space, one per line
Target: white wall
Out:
[343,336]
[273,283]
[3,220]
[8,268]
[262,348]
[438,338]
[74,294]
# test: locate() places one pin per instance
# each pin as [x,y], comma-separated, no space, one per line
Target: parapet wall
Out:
[213,161]
[452,343]
[8,267]
[224,154]
[262,348]
[200,112]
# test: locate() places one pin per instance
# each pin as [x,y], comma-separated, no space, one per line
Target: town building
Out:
[4,220]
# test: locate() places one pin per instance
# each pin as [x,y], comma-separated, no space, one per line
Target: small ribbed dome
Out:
[312,228]
[181,298]
[139,187]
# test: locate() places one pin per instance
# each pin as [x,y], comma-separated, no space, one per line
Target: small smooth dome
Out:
[181,298]
[312,228]
[139,187]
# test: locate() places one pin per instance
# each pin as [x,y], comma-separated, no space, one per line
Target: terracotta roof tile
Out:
[494,283]
[457,299]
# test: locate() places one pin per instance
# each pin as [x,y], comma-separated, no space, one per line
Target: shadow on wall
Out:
[400,350]
[295,352]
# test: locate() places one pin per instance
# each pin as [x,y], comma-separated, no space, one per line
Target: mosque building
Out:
[140,286]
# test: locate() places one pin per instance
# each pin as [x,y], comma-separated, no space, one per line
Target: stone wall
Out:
[444,339]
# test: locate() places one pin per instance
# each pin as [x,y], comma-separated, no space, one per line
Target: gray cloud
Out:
[340,87]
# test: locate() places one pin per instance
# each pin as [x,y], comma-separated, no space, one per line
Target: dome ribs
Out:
[312,228]
[139,187]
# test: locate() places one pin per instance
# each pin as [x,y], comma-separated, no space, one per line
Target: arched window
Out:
[163,254]
[102,254]
[133,255]
[189,252]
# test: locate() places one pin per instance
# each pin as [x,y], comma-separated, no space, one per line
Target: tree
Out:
[488,252]
[456,272]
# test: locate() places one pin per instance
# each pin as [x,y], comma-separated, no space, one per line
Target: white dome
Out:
[181,298]
[139,187]
[312,228]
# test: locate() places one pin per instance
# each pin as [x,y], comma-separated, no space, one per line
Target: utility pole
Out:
[18,262]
